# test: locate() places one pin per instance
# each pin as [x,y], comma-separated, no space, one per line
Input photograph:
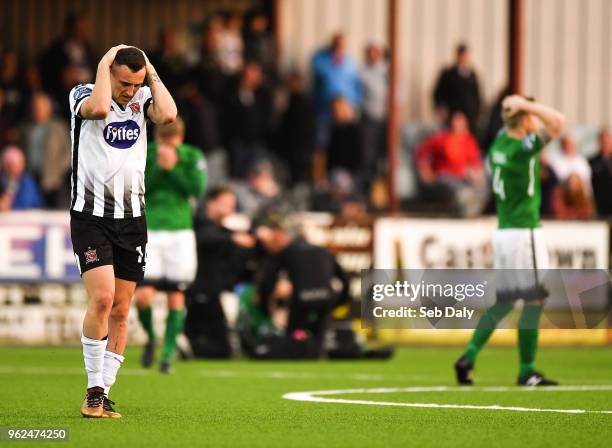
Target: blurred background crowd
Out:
[287,140]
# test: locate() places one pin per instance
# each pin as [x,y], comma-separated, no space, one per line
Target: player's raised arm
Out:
[553,120]
[163,109]
[97,106]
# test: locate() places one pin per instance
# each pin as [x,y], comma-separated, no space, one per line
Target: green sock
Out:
[485,328]
[174,325]
[145,316]
[528,338]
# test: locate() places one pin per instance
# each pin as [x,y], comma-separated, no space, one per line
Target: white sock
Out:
[112,362]
[93,354]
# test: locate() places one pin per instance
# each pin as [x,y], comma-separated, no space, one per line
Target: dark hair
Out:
[462,48]
[132,57]
[71,19]
[274,221]
[215,192]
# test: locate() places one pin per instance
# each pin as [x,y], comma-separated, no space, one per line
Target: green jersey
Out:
[515,167]
[168,192]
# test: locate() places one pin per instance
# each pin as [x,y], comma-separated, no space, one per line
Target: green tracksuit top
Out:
[168,192]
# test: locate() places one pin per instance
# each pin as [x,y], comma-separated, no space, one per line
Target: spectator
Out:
[17,88]
[329,196]
[47,144]
[573,200]
[14,107]
[200,116]
[334,74]
[6,130]
[569,161]
[68,61]
[495,122]
[247,121]
[346,142]
[18,190]
[260,194]
[168,59]
[259,44]
[207,72]
[548,184]
[294,144]
[32,79]
[231,45]
[374,118]
[354,209]
[601,166]
[451,168]
[379,196]
[457,89]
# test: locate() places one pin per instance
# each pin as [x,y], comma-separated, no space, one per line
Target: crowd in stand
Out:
[287,141]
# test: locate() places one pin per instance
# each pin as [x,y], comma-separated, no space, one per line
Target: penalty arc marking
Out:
[322,396]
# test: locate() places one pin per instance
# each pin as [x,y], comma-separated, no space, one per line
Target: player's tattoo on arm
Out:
[154,78]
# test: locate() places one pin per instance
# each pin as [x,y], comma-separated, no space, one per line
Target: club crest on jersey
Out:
[121,134]
[529,142]
[80,92]
[135,108]
[91,256]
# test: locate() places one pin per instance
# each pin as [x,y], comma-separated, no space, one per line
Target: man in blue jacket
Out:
[335,74]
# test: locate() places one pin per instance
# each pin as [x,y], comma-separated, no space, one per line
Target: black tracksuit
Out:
[220,262]
[310,269]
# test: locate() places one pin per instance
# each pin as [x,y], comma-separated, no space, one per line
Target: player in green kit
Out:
[175,176]
[518,244]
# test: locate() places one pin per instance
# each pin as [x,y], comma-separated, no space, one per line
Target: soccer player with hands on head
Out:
[518,244]
[108,226]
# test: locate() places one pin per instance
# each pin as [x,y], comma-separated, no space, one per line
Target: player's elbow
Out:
[93,111]
[561,121]
[99,115]
[167,117]
[170,118]
[97,112]
[170,113]
[557,126]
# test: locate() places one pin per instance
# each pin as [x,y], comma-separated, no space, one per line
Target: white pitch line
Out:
[312,397]
[420,389]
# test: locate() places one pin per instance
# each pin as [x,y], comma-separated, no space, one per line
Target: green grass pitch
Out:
[240,403]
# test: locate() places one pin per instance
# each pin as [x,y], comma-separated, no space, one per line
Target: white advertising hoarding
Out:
[417,243]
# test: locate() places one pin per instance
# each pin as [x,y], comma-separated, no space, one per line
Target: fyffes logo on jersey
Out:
[122,134]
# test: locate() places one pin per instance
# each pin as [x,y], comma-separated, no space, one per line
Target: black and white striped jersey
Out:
[109,156]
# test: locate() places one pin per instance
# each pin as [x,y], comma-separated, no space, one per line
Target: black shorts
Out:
[107,241]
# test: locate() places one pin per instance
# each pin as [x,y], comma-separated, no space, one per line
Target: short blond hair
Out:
[169,130]
[513,121]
